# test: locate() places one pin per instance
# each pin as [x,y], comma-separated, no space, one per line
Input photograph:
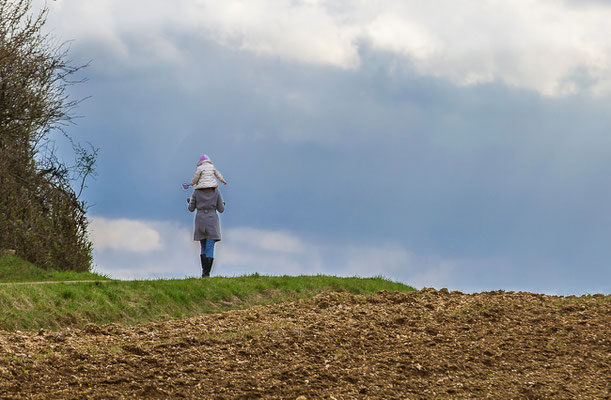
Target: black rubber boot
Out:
[209,266]
[204,261]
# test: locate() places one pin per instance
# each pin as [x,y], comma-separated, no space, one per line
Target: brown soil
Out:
[422,345]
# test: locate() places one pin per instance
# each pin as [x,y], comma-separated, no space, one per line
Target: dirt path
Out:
[422,345]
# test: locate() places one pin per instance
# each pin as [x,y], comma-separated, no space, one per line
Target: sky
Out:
[461,144]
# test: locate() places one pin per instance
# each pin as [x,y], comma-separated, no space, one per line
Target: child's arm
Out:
[219,176]
[196,177]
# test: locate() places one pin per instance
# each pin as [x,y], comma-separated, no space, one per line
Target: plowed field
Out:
[421,345]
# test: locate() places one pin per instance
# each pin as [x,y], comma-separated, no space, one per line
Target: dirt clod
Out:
[421,345]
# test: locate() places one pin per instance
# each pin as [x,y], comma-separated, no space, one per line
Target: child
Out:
[206,174]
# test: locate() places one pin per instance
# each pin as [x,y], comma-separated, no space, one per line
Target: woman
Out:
[207,230]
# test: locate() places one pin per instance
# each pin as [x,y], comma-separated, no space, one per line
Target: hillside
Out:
[418,345]
[59,305]
[14,269]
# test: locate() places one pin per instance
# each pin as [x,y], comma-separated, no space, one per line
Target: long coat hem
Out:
[207,202]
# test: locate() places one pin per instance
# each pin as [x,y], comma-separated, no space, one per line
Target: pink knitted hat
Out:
[204,158]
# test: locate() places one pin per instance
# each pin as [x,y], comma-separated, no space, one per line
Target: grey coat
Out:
[207,202]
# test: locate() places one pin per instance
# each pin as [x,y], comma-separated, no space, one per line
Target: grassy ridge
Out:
[53,306]
[14,269]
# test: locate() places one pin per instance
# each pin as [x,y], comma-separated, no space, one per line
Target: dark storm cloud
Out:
[511,181]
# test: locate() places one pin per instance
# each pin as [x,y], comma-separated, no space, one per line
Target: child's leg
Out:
[210,248]
[203,246]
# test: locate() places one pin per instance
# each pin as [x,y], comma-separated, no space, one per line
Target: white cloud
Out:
[173,254]
[394,34]
[123,235]
[300,31]
[246,250]
[277,241]
[553,47]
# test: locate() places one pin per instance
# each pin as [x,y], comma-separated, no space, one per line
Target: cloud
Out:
[174,254]
[479,177]
[302,31]
[275,241]
[554,48]
[479,172]
[246,250]
[123,235]
[242,251]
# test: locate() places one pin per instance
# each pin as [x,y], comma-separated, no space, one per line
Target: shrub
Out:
[41,216]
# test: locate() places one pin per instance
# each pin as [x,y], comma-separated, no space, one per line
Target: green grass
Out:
[53,306]
[14,269]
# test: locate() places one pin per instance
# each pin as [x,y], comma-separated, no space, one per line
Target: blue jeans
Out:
[207,247]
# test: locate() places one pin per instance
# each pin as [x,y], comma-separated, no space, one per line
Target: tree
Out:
[41,215]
